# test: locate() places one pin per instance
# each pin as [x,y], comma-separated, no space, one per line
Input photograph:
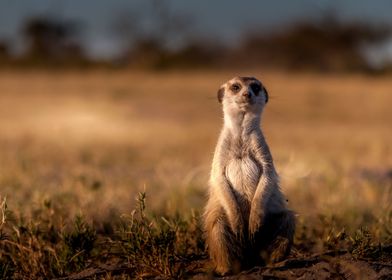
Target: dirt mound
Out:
[321,267]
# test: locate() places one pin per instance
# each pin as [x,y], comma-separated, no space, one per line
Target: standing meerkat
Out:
[246,219]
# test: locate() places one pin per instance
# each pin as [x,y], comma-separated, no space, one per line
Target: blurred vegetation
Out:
[327,44]
[49,42]
[52,41]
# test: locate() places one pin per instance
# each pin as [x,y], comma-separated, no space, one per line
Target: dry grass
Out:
[86,143]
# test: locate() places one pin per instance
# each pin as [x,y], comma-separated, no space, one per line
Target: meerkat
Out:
[246,219]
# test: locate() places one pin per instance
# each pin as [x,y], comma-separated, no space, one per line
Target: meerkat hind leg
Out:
[277,236]
[224,250]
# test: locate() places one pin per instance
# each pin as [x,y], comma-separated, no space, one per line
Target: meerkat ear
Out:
[221,93]
[266,94]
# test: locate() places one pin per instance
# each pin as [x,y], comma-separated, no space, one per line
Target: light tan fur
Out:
[246,220]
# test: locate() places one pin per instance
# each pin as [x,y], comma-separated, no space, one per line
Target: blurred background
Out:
[102,99]
[317,35]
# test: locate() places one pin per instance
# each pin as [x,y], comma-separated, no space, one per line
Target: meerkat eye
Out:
[255,88]
[235,87]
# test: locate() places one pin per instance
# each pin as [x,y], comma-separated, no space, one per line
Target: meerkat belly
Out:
[243,174]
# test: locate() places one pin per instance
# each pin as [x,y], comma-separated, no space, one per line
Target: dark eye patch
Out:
[235,87]
[255,88]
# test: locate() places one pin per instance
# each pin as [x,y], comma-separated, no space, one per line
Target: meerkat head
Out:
[243,94]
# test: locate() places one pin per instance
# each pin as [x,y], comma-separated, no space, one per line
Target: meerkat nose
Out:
[247,93]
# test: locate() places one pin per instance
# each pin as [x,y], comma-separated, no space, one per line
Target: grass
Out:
[138,244]
[77,148]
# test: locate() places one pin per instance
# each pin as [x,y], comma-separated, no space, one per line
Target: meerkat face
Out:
[243,94]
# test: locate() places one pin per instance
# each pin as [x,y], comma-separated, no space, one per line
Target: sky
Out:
[224,21]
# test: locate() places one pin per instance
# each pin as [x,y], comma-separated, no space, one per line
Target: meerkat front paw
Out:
[255,222]
[238,226]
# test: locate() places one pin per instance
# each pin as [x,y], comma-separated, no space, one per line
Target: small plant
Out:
[3,210]
[149,242]
[78,244]
[363,245]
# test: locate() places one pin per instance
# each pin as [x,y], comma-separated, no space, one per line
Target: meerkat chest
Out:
[243,174]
